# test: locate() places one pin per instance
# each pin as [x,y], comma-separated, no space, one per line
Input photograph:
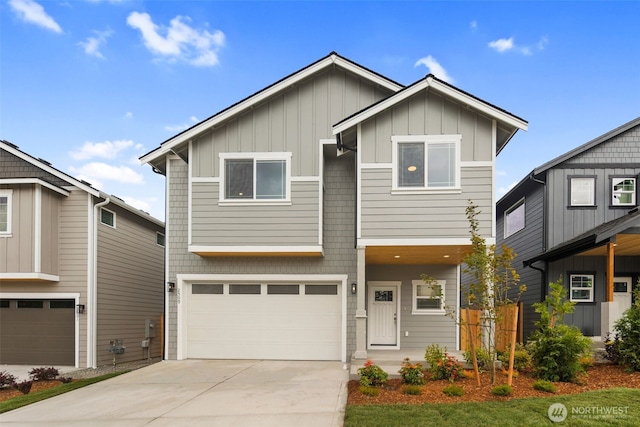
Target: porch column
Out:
[610,270]
[609,310]
[361,312]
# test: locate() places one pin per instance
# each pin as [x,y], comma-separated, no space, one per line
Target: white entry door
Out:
[622,292]
[383,314]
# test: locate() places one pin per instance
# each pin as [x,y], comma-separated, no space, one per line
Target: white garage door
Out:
[287,321]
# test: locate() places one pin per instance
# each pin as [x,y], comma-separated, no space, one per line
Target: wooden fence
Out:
[504,327]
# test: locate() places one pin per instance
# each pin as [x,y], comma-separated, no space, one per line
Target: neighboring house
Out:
[300,219]
[577,217]
[81,272]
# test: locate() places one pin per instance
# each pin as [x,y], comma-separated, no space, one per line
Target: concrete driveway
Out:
[201,393]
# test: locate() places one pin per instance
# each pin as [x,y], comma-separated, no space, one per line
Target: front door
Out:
[384,321]
[622,292]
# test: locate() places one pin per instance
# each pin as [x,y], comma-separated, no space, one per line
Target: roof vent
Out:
[113,195]
[85,182]
[44,161]
[10,144]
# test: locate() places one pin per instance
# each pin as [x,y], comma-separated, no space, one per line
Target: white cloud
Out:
[435,68]
[105,150]
[197,47]
[96,172]
[504,190]
[501,173]
[473,25]
[30,11]
[143,205]
[93,44]
[502,45]
[505,45]
[180,128]
[128,115]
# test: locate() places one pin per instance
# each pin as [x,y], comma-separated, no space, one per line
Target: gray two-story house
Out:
[81,272]
[300,219]
[576,217]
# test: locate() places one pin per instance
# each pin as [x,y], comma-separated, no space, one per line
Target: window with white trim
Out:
[426,162]
[255,176]
[581,287]
[582,191]
[623,191]
[428,297]
[514,219]
[160,239]
[5,211]
[108,217]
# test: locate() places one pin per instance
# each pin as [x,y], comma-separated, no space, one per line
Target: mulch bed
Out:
[10,392]
[597,377]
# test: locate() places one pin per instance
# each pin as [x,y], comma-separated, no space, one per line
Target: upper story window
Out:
[623,191]
[108,217]
[582,191]
[160,239]
[581,287]
[5,211]
[428,297]
[426,162]
[256,176]
[514,219]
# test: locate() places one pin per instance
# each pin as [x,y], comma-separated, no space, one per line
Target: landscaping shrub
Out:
[412,373]
[6,379]
[612,349]
[628,331]
[522,361]
[412,389]
[372,375]
[65,380]
[433,354]
[544,385]
[482,356]
[441,365]
[453,390]
[502,390]
[23,386]
[43,374]
[369,391]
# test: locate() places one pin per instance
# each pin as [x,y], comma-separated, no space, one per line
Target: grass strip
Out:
[584,409]
[37,396]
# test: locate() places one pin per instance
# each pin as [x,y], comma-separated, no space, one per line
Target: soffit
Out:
[419,255]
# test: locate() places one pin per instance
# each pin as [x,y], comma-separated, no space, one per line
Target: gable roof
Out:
[430,81]
[328,61]
[589,145]
[85,186]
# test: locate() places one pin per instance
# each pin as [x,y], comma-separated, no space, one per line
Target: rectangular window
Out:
[258,176]
[283,289]
[244,289]
[66,303]
[321,289]
[623,191]
[426,162]
[210,289]
[107,217]
[160,239]
[5,211]
[582,191]
[581,287]
[428,298]
[31,303]
[4,303]
[514,219]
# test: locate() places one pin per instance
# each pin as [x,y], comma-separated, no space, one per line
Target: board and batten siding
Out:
[386,215]
[293,121]
[50,208]
[130,286]
[256,224]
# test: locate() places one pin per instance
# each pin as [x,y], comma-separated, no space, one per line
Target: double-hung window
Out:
[256,176]
[426,162]
[428,297]
[514,219]
[581,287]
[582,191]
[5,212]
[623,191]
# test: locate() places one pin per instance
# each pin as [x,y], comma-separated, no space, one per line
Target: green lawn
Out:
[36,396]
[518,412]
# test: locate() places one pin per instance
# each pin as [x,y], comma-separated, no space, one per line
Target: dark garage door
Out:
[37,332]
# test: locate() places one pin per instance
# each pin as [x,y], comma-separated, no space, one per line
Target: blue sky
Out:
[92,85]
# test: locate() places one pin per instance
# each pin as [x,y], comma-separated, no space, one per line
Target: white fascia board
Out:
[136,211]
[35,181]
[441,241]
[255,249]
[30,276]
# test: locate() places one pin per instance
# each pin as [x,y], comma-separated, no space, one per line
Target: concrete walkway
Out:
[201,393]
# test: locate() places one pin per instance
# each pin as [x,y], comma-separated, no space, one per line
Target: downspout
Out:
[543,271]
[92,296]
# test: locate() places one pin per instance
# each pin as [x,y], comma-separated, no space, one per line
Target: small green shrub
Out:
[502,390]
[23,386]
[6,379]
[412,373]
[412,389]
[612,349]
[441,365]
[557,351]
[433,354]
[544,385]
[372,375]
[628,331]
[453,390]
[43,374]
[369,391]
[522,361]
[482,356]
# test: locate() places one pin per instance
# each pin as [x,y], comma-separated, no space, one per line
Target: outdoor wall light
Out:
[354,288]
[80,308]
[171,286]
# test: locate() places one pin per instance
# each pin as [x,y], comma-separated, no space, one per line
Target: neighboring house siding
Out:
[386,215]
[19,248]
[130,286]
[15,167]
[297,224]
[339,254]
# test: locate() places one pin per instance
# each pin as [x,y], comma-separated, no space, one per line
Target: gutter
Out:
[92,288]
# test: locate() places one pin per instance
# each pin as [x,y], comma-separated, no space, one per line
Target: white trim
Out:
[440,241]
[425,311]
[108,210]
[34,181]
[255,156]
[92,294]
[30,276]
[307,178]
[37,229]
[167,301]
[8,193]
[376,165]
[263,95]
[591,289]
[252,249]
[494,145]
[184,279]
[253,202]
[190,196]
[53,295]
[473,164]
[457,314]
[398,299]
[359,183]
[91,226]
[205,179]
